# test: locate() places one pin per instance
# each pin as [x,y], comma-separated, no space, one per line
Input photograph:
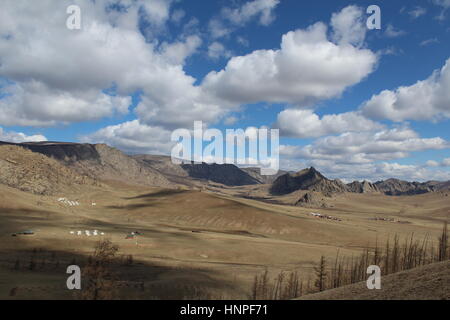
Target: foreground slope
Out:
[431,282]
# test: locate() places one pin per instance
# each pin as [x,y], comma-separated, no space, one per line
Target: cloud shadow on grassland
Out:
[135,281]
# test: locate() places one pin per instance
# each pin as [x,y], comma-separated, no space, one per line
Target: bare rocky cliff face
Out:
[200,173]
[99,162]
[226,174]
[362,187]
[36,173]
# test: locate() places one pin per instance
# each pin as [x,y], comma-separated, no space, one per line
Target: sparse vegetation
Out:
[286,285]
[396,257]
[321,274]
[443,245]
[98,276]
[17,264]
[32,264]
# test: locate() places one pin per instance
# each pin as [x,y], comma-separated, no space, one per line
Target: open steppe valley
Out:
[184,237]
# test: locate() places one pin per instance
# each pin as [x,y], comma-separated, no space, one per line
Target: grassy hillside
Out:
[431,282]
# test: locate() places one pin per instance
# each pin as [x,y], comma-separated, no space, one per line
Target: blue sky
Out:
[137,70]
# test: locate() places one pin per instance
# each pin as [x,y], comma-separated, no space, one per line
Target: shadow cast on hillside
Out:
[133,206]
[137,280]
[16,220]
[161,193]
[150,198]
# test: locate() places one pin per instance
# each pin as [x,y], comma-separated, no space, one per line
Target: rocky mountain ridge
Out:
[101,162]
[312,180]
[306,179]
[395,187]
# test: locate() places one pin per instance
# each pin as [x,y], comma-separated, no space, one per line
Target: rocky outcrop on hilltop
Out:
[362,187]
[226,174]
[395,187]
[36,173]
[307,179]
[312,200]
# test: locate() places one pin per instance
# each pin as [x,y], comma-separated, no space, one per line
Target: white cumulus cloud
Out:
[18,137]
[59,75]
[256,8]
[299,123]
[217,50]
[133,137]
[349,26]
[366,147]
[308,68]
[425,100]
[232,18]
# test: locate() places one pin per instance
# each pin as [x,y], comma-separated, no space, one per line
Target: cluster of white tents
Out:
[68,202]
[323,216]
[87,233]
[72,203]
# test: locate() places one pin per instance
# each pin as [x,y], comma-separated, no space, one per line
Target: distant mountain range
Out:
[104,162]
[312,180]
[101,162]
